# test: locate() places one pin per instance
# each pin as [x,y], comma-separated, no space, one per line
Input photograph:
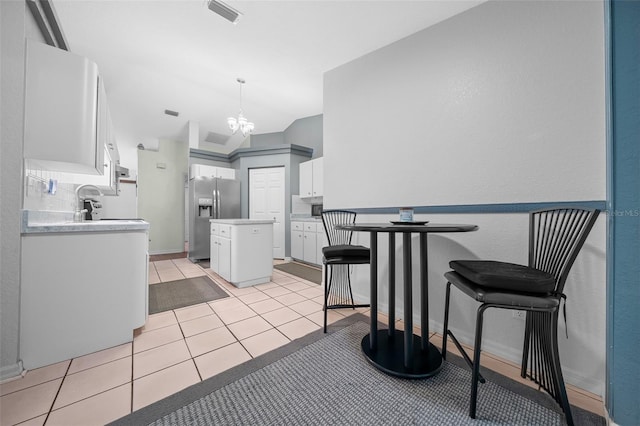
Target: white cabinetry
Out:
[211,171]
[307,240]
[310,246]
[242,250]
[65,111]
[297,240]
[81,292]
[220,260]
[311,178]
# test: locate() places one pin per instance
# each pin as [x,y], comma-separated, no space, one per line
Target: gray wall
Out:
[306,132]
[291,163]
[267,139]
[303,131]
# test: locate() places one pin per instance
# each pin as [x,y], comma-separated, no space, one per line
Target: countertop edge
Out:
[52,228]
[242,221]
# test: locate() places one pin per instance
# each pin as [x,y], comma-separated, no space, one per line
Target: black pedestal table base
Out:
[392,351]
[389,356]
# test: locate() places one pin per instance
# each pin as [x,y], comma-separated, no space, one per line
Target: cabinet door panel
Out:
[224,258]
[225,173]
[318,177]
[62,94]
[213,261]
[306,179]
[297,247]
[309,250]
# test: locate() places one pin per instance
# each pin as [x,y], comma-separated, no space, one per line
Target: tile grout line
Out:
[57,393]
[184,339]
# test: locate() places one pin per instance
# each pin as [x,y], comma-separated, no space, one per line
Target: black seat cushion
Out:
[505,276]
[346,251]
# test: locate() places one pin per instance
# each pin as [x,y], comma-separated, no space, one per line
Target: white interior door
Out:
[267,201]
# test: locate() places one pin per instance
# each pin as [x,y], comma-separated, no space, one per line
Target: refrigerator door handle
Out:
[219,204]
[214,204]
[217,192]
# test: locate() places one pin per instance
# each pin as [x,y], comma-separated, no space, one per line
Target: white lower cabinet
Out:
[81,292]
[224,258]
[297,244]
[220,258]
[307,240]
[310,246]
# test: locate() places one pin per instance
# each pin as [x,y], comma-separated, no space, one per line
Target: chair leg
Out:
[353,303]
[557,370]
[326,293]
[476,362]
[525,346]
[445,331]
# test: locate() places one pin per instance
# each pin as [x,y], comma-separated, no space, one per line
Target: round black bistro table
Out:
[395,352]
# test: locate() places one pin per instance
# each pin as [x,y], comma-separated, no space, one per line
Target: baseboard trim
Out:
[11,371]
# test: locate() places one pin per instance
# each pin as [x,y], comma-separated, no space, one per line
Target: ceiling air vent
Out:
[173,113]
[226,11]
[217,138]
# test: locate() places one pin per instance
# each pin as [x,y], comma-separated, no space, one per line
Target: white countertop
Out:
[42,222]
[305,218]
[242,221]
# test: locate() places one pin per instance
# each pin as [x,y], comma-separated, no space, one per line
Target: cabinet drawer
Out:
[215,229]
[225,231]
[320,228]
[297,226]
[310,227]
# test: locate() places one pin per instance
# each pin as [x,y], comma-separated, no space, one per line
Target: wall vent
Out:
[217,138]
[172,113]
[224,10]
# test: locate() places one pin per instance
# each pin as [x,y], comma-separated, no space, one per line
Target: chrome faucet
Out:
[80,211]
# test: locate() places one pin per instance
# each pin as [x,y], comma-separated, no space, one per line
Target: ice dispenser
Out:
[205,207]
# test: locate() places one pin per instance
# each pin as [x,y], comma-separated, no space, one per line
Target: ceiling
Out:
[178,55]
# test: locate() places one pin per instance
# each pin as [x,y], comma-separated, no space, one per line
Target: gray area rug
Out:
[329,382]
[305,272]
[178,294]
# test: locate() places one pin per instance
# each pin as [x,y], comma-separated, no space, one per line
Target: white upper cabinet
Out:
[311,177]
[65,111]
[318,167]
[306,179]
[211,171]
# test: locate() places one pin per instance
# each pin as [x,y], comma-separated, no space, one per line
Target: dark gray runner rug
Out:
[178,294]
[305,272]
[330,382]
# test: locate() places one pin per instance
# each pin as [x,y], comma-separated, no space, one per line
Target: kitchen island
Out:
[242,250]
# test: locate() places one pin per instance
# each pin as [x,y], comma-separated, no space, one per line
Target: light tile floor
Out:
[179,348]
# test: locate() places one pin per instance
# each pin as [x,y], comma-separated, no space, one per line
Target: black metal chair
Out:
[337,257]
[555,238]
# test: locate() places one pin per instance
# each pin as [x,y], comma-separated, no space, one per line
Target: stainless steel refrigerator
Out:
[209,198]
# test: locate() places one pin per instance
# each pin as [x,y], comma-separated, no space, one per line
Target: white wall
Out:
[504,102]
[501,104]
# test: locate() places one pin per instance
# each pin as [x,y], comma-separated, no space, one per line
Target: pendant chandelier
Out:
[241,123]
